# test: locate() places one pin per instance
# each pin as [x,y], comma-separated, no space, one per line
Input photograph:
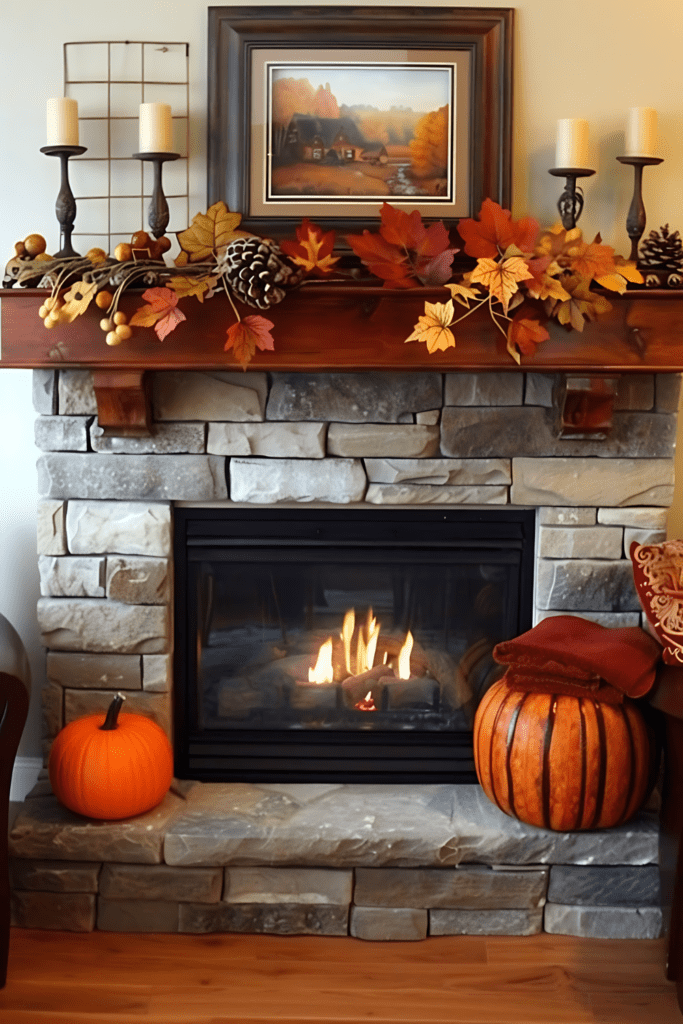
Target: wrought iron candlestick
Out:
[65,207]
[635,221]
[570,203]
[157,213]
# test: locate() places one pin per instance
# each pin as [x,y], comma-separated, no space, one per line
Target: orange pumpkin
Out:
[111,767]
[562,762]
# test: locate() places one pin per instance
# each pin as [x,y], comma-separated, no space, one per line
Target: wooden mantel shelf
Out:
[325,327]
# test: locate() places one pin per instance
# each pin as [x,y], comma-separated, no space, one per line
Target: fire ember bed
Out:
[353,645]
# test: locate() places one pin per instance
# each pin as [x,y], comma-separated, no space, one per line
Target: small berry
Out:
[113,338]
[123,252]
[34,245]
[96,255]
[107,324]
[163,244]
[124,332]
[103,299]
[120,318]
[19,249]
[140,240]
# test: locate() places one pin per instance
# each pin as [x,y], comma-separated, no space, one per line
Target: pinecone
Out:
[663,250]
[258,271]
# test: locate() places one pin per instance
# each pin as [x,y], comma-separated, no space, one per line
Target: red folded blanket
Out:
[539,682]
[577,649]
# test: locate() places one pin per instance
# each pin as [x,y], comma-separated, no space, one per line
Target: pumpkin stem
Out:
[110,721]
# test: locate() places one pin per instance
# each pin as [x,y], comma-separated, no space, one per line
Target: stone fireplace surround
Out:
[383,862]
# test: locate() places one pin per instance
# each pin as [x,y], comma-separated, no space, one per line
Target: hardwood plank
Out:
[107,978]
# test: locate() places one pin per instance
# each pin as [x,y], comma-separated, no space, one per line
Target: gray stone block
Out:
[51,528]
[136,915]
[161,882]
[530,431]
[603,922]
[486,922]
[429,418]
[426,494]
[167,439]
[638,518]
[368,397]
[157,672]
[438,471]
[54,875]
[267,919]
[123,527]
[590,481]
[585,584]
[642,537]
[382,440]
[539,389]
[635,391]
[272,440]
[612,620]
[64,912]
[221,395]
[103,627]
[76,393]
[566,516]
[44,389]
[45,830]
[303,825]
[618,886]
[71,576]
[132,477]
[78,703]
[667,391]
[133,579]
[90,671]
[310,886]
[580,542]
[61,433]
[483,389]
[266,481]
[52,711]
[389,924]
[466,887]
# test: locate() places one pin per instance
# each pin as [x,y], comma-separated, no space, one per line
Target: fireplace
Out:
[348,646]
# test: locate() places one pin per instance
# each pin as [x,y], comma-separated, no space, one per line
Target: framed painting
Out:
[329,112]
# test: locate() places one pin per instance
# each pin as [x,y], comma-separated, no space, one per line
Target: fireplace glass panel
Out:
[303,632]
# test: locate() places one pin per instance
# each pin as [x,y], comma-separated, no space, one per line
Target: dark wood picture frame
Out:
[237,34]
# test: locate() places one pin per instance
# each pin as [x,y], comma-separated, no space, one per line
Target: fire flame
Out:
[322,672]
[347,632]
[404,657]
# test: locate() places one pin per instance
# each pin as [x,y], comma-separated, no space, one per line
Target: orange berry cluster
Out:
[142,247]
[116,326]
[50,311]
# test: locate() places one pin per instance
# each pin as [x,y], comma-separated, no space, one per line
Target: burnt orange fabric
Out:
[578,650]
[532,682]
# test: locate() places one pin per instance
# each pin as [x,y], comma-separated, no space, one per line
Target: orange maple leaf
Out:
[545,281]
[432,327]
[161,312]
[590,259]
[405,253]
[248,334]
[312,250]
[524,334]
[501,277]
[495,231]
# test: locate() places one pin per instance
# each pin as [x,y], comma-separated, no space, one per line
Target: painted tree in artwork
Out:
[429,146]
[325,104]
[291,96]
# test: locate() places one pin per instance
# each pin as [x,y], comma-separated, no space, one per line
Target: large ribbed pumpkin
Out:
[111,767]
[562,762]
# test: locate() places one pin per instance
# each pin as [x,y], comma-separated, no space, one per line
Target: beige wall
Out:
[590,58]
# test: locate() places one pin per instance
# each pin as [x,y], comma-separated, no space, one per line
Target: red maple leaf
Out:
[250,333]
[525,333]
[312,250]
[160,312]
[405,253]
[495,231]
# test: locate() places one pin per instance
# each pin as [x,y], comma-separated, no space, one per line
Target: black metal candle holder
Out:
[635,221]
[65,207]
[157,213]
[570,203]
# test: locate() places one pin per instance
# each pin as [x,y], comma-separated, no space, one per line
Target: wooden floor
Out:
[70,978]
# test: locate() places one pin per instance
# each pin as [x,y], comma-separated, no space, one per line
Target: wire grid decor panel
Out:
[110,80]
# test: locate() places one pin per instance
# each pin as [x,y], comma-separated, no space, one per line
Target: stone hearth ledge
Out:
[320,825]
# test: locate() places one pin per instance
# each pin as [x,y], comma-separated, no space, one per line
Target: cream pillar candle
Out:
[62,122]
[641,132]
[156,128]
[571,148]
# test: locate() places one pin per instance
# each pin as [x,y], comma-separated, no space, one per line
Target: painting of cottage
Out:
[363,131]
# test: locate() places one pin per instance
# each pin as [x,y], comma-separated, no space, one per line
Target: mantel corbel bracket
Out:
[584,407]
[124,402]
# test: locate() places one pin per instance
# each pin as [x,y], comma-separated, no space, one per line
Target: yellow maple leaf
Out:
[501,278]
[209,233]
[462,294]
[184,285]
[77,300]
[432,328]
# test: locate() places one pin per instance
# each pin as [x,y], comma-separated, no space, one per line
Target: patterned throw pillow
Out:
[658,574]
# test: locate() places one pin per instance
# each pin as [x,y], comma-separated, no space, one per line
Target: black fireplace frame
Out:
[331,756]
